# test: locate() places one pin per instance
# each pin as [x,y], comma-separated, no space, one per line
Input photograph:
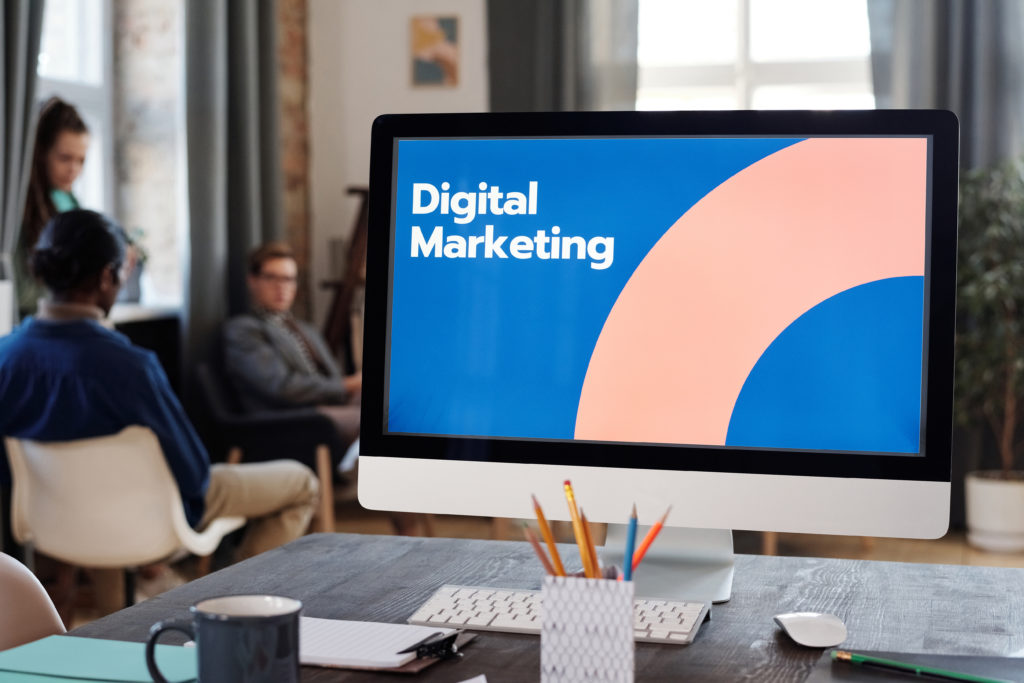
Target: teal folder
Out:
[69,658]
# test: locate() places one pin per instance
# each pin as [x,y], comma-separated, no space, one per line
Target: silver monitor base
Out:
[695,564]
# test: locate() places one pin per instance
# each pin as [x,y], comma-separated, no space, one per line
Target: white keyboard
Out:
[519,611]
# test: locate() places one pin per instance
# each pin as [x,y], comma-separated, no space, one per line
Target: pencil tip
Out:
[634,510]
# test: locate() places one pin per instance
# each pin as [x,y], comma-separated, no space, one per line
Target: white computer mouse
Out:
[812,629]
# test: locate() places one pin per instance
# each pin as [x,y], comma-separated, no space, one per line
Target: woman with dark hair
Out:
[62,140]
[64,376]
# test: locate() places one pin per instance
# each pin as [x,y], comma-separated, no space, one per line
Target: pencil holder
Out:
[587,631]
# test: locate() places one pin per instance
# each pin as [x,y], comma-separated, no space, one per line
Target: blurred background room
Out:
[217,125]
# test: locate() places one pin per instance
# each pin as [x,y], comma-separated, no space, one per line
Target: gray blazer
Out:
[268,370]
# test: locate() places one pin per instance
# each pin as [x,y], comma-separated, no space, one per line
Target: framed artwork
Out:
[434,47]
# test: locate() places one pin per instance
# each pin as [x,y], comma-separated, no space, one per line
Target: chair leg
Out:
[129,587]
[770,543]
[30,556]
[325,473]
[234,455]
[203,564]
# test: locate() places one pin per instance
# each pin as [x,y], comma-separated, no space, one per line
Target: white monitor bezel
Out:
[877,495]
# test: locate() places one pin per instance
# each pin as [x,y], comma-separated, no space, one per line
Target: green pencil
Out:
[917,669]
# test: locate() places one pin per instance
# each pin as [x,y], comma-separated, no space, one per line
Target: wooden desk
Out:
[886,606]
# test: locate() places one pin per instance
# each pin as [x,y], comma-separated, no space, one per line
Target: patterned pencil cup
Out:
[587,631]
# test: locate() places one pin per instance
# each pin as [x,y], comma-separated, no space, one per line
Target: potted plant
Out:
[990,347]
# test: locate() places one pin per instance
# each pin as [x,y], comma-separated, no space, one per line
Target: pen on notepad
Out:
[649,538]
[549,538]
[917,669]
[532,538]
[577,529]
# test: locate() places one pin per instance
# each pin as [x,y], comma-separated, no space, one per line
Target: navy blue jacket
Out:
[65,380]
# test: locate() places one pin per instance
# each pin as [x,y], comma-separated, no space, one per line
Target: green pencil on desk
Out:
[916,669]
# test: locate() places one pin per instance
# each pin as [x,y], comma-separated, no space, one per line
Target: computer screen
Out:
[747,315]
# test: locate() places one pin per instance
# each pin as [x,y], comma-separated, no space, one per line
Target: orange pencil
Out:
[549,538]
[532,538]
[590,545]
[577,529]
[649,538]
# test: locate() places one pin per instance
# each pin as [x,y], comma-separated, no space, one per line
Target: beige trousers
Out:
[276,497]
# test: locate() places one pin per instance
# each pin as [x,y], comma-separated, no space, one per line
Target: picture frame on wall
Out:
[434,50]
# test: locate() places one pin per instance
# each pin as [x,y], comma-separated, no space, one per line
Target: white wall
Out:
[360,67]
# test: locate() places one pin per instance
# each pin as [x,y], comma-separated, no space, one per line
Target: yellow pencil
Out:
[549,538]
[591,550]
[532,538]
[577,529]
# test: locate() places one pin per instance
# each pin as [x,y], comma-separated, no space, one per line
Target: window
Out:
[75,64]
[754,54]
[135,177]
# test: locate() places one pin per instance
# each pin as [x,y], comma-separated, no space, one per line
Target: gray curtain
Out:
[562,55]
[21,24]
[234,169]
[962,55]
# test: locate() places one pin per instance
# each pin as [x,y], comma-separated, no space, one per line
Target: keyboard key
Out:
[520,611]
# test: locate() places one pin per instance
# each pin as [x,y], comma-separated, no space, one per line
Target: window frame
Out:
[94,102]
[744,75]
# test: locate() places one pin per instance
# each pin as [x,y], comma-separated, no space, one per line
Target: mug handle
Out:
[184,625]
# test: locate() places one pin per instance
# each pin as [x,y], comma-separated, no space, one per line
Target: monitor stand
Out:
[694,564]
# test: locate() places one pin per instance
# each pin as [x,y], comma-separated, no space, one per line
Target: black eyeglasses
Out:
[279,279]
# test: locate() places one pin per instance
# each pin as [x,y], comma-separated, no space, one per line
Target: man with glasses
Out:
[276,361]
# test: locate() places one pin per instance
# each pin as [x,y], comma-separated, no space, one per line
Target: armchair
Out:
[301,434]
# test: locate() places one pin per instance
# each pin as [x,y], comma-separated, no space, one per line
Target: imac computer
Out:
[744,315]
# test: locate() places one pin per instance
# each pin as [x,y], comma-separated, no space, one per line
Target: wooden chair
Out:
[340,328]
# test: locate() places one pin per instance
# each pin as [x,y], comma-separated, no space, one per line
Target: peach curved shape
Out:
[784,234]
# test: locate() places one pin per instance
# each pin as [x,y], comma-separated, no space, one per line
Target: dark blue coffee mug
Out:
[239,638]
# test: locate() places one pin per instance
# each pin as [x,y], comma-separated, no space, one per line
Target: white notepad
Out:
[360,644]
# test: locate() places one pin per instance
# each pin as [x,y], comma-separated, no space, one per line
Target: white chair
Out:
[108,501]
[27,614]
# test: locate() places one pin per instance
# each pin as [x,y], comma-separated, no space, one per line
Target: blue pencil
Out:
[627,560]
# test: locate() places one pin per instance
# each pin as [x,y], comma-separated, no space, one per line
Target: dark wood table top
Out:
[886,606]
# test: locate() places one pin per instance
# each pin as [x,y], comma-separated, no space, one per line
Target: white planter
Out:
[995,511]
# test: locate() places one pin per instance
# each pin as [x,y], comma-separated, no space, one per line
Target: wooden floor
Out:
[951,549]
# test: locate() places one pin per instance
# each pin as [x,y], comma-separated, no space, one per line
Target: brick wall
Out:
[147,49]
[292,88]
